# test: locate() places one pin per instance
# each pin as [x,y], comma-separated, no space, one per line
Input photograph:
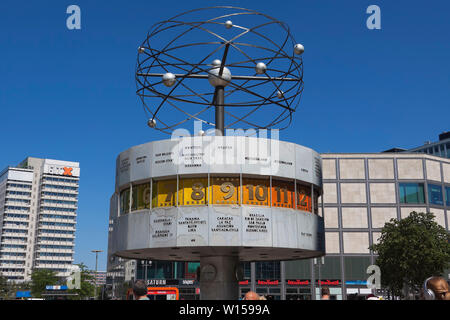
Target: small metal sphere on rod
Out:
[299,49]
[151,123]
[168,79]
[260,68]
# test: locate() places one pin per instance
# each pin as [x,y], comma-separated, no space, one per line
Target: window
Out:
[267,270]
[447,196]
[435,194]
[412,193]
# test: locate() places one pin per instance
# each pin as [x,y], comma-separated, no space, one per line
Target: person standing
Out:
[325,293]
[140,290]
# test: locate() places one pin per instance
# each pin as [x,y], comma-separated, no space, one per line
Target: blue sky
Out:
[70,94]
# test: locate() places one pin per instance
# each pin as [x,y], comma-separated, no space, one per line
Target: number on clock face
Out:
[256,192]
[282,194]
[225,190]
[192,191]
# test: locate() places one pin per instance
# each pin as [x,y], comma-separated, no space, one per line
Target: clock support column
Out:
[219,277]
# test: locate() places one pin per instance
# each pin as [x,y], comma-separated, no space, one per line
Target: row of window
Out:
[18,185]
[57,231]
[438,150]
[49,246]
[13,246]
[414,193]
[19,200]
[15,231]
[15,223]
[17,208]
[51,201]
[55,239]
[53,254]
[16,215]
[54,186]
[57,216]
[45,208]
[54,262]
[17,239]
[18,193]
[58,179]
[12,270]
[16,262]
[12,254]
[59,194]
[57,224]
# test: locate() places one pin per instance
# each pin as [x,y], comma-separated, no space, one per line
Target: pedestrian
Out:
[325,293]
[140,290]
[251,295]
[436,288]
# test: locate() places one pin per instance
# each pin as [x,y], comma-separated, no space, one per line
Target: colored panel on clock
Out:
[256,191]
[141,197]
[283,194]
[304,198]
[193,191]
[164,193]
[225,190]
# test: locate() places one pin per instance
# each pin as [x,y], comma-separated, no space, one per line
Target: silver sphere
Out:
[299,49]
[260,68]
[141,49]
[280,94]
[216,63]
[151,123]
[228,24]
[217,81]
[168,79]
[201,133]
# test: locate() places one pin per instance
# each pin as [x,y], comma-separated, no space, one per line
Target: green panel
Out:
[298,269]
[356,267]
[331,269]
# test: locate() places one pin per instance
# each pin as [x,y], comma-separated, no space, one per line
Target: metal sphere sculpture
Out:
[251,54]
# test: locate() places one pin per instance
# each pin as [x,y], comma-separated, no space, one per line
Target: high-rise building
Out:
[38,210]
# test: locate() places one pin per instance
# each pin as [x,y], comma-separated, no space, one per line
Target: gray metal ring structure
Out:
[242,39]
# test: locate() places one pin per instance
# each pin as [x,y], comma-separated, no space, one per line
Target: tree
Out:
[86,287]
[41,278]
[4,287]
[411,250]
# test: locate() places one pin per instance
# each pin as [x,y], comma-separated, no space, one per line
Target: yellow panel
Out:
[193,191]
[164,193]
[256,192]
[225,190]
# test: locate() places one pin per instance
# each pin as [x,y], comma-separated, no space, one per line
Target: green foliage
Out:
[4,287]
[411,250]
[41,278]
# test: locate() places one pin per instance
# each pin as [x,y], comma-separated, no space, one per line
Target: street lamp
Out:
[96,263]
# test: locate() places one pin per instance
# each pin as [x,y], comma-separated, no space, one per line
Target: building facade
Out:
[440,148]
[361,192]
[38,210]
